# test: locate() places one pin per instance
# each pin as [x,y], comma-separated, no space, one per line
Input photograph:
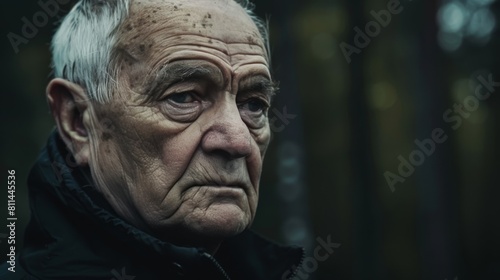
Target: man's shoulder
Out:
[7,272]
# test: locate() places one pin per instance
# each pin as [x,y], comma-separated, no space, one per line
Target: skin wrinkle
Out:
[218,46]
[97,171]
[200,56]
[220,61]
[182,174]
[207,179]
[135,158]
[130,178]
[198,208]
[172,23]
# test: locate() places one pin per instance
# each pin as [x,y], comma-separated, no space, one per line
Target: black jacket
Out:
[74,234]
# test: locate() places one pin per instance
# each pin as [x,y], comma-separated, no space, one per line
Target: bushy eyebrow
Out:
[259,83]
[176,72]
[169,74]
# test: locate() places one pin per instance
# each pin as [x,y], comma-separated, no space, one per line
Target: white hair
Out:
[83,46]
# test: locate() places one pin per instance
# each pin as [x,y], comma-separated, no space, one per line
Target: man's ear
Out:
[70,108]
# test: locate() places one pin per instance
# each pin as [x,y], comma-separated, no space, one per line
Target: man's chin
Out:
[204,227]
[220,220]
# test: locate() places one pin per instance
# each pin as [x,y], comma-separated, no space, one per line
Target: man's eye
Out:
[183,106]
[182,97]
[255,105]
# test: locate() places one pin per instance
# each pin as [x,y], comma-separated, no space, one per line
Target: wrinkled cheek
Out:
[110,161]
[255,162]
[159,188]
[262,137]
[178,150]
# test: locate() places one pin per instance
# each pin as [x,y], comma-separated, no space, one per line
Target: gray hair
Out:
[83,46]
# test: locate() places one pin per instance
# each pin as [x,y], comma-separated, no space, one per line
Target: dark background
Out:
[348,123]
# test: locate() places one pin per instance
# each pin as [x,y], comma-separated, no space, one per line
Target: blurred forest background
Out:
[341,123]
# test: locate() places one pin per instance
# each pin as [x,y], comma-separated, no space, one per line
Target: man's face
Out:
[179,149]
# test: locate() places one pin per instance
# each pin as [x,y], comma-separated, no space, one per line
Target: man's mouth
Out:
[239,185]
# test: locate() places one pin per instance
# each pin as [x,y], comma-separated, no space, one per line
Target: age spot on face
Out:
[106,136]
[206,21]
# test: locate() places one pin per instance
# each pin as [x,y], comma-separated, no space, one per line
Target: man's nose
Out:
[227,134]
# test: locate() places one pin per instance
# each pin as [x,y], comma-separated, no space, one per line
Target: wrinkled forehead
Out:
[151,21]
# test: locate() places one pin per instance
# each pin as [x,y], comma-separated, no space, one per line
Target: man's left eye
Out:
[182,97]
[254,105]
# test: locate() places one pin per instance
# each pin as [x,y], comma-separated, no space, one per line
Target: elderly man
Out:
[153,172]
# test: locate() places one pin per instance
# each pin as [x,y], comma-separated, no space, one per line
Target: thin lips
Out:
[233,184]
